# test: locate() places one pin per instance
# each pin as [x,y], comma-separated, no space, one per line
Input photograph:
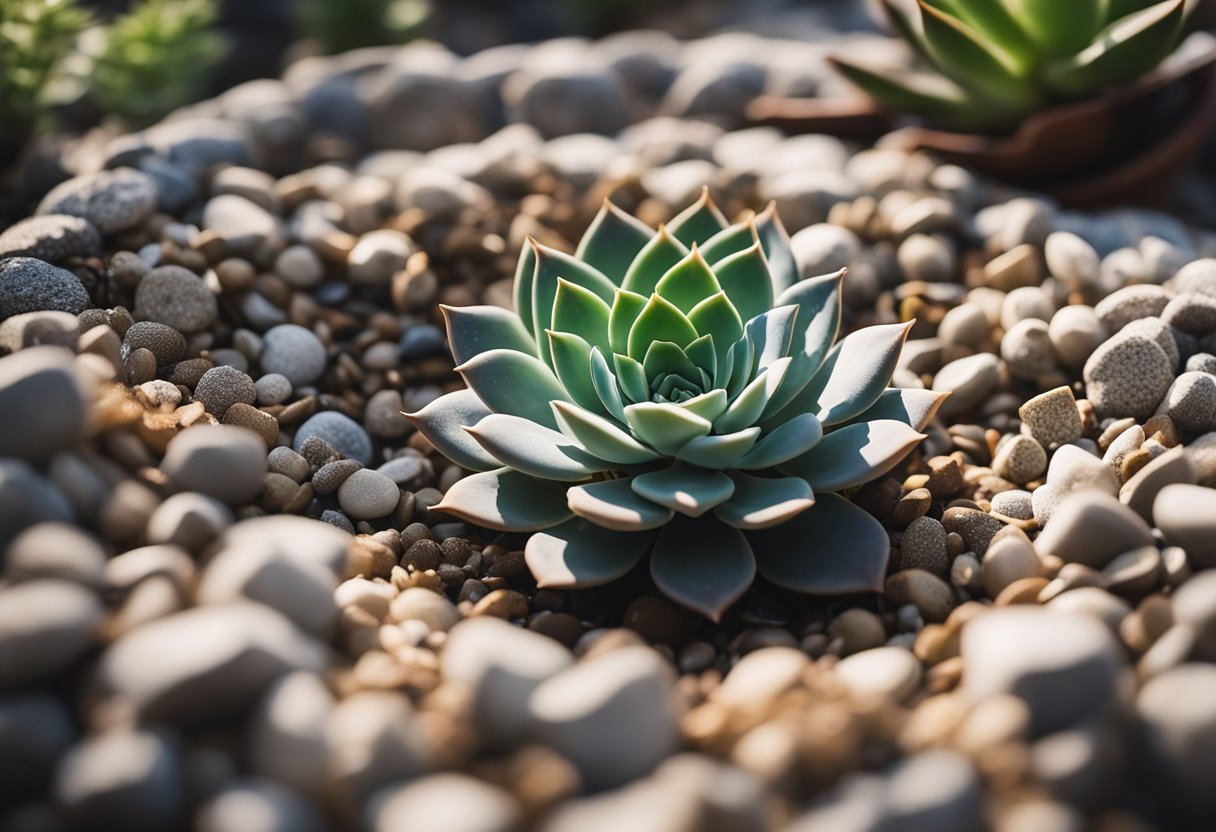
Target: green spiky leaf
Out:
[612,241]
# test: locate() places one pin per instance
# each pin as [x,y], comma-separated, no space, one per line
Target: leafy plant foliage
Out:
[676,393]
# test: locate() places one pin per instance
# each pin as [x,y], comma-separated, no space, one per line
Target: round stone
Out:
[1191,312]
[1191,401]
[1186,515]
[367,494]
[45,626]
[165,343]
[1075,332]
[257,806]
[220,461]
[1128,376]
[247,228]
[1131,303]
[44,403]
[272,389]
[1092,528]
[969,381]
[299,266]
[378,256]
[343,433]
[52,237]
[1052,418]
[1027,349]
[176,297]
[431,608]
[122,778]
[112,200]
[30,285]
[923,546]
[222,387]
[1010,558]
[294,353]
[55,550]
[890,672]
[188,520]
[1015,504]
[1020,459]
[965,325]
[1197,276]
[1072,260]
[450,801]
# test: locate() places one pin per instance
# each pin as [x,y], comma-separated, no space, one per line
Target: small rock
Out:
[220,461]
[122,778]
[890,672]
[1051,418]
[1186,515]
[923,546]
[1092,528]
[44,403]
[51,237]
[1020,459]
[345,434]
[1191,401]
[257,806]
[927,592]
[1131,303]
[969,381]
[293,352]
[55,550]
[374,740]
[1010,558]
[45,626]
[30,285]
[451,802]
[367,494]
[1075,332]
[112,200]
[176,297]
[287,734]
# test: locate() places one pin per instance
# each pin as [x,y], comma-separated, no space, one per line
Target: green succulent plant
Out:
[993,62]
[676,393]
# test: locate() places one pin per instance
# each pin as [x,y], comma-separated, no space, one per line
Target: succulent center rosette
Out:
[676,393]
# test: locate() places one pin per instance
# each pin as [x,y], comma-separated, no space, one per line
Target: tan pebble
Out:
[1133,573]
[247,416]
[1163,425]
[994,721]
[934,719]
[1022,591]
[1070,576]
[974,526]
[1112,432]
[965,612]
[277,491]
[945,477]
[371,596]
[912,505]
[967,573]
[369,558]
[298,411]
[1134,462]
[923,546]
[1020,460]
[300,501]
[1007,560]
[955,545]
[858,629]
[502,603]
[929,593]
[944,676]
[1052,418]
[935,643]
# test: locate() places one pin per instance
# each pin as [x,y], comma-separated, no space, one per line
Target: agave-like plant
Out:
[997,61]
[676,393]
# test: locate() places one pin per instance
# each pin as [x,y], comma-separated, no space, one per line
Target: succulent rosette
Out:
[676,393]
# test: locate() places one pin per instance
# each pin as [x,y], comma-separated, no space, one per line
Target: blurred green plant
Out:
[991,63]
[154,58]
[339,25]
[36,36]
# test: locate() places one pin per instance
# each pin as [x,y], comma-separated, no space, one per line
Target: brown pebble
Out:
[277,491]
[945,477]
[369,557]
[456,551]
[657,621]
[331,475]
[927,592]
[188,373]
[501,603]
[1133,462]
[974,526]
[935,643]
[858,629]
[560,626]
[955,545]
[450,574]
[695,657]
[247,416]
[912,505]
[1162,428]
[140,366]
[1133,573]
[423,555]
[1022,591]
[297,412]
[509,565]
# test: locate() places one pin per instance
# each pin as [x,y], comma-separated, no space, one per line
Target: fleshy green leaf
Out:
[474,329]
[599,436]
[786,441]
[604,381]
[1058,28]
[745,410]
[703,353]
[703,565]
[994,22]
[730,240]
[521,289]
[775,241]
[666,357]
[551,265]
[535,450]
[771,334]
[832,548]
[967,59]
[747,280]
[718,317]
[854,454]
[443,422]
[631,376]
[911,406]
[856,372]
[510,382]
[614,505]
[580,554]
[688,282]
[612,241]
[572,363]
[901,90]
[1126,49]
[698,222]
[654,261]
[660,321]
[506,500]
[665,427]
[581,312]
[718,452]
[684,488]
[739,365]
[626,307]
[761,502]
[815,328]
[708,406]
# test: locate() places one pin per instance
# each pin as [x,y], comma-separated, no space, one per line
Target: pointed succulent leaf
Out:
[856,372]
[443,422]
[1058,28]
[832,548]
[745,410]
[775,241]
[507,501]
[665,427]
[601,437]
[688,282]
[738,368]
[703,565]
[581,312]
[718,317]
[771,334]
[786,441]
[902,90]
[854,454]
[666,357]
[718,452]
[698,222]
[612,241]
[521,289]
[684,488]
[912,406]
[572,364]
[703,353]
[1122,51]
[747,280]
[660,320]
[613,504]
[604,381]
[626,306]
[551,265]
[708,406]
[965,57]
[815,328]
[654,260]
[992,20]
[631,376]
[511,382]
[473,330]
[762,502]
[535,450]
[580,554]
[730,240]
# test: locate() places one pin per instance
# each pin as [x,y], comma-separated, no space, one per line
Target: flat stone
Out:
[30,285]
[112,200]
[1170,468]
[51,237]
[56,550]
[46,625]
[890,672]
[1092,528]
[220,461]
[1186,515]
[452,802]
[969,381]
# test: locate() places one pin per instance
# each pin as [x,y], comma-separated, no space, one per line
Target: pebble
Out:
[976,528]
[54,238]
[431,608]
[35,730]
[890,672]
[1197,276]
[1191,312]
[374,740]
[965,325]
[222,387]
[247,229]
[345,435]
[923,546]
[1020,459]
[1063,665]
[1191,401]
[188,520]
[858,629]
[57,329]
[1128,376]
[112,200]
[927,592]
[287,739]
[55,550]
[122,778]
[236,651]
[30,285]
[283,460]
[257,806]
[44,401]
[164,343]
[1186,515]
[299,267]
[1161,334]
[382,415]
[367,494]
[1171,467]
[1178,708]
[1075,332]
[293,352]
[1025,303]
[46,625]
[1027,349]
[220,461]
[1009,558]
[378,256]
[176,297]
[1092,528]
[272,389]
[969,380]
[450,802]
[1072,260]
[1131,303]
